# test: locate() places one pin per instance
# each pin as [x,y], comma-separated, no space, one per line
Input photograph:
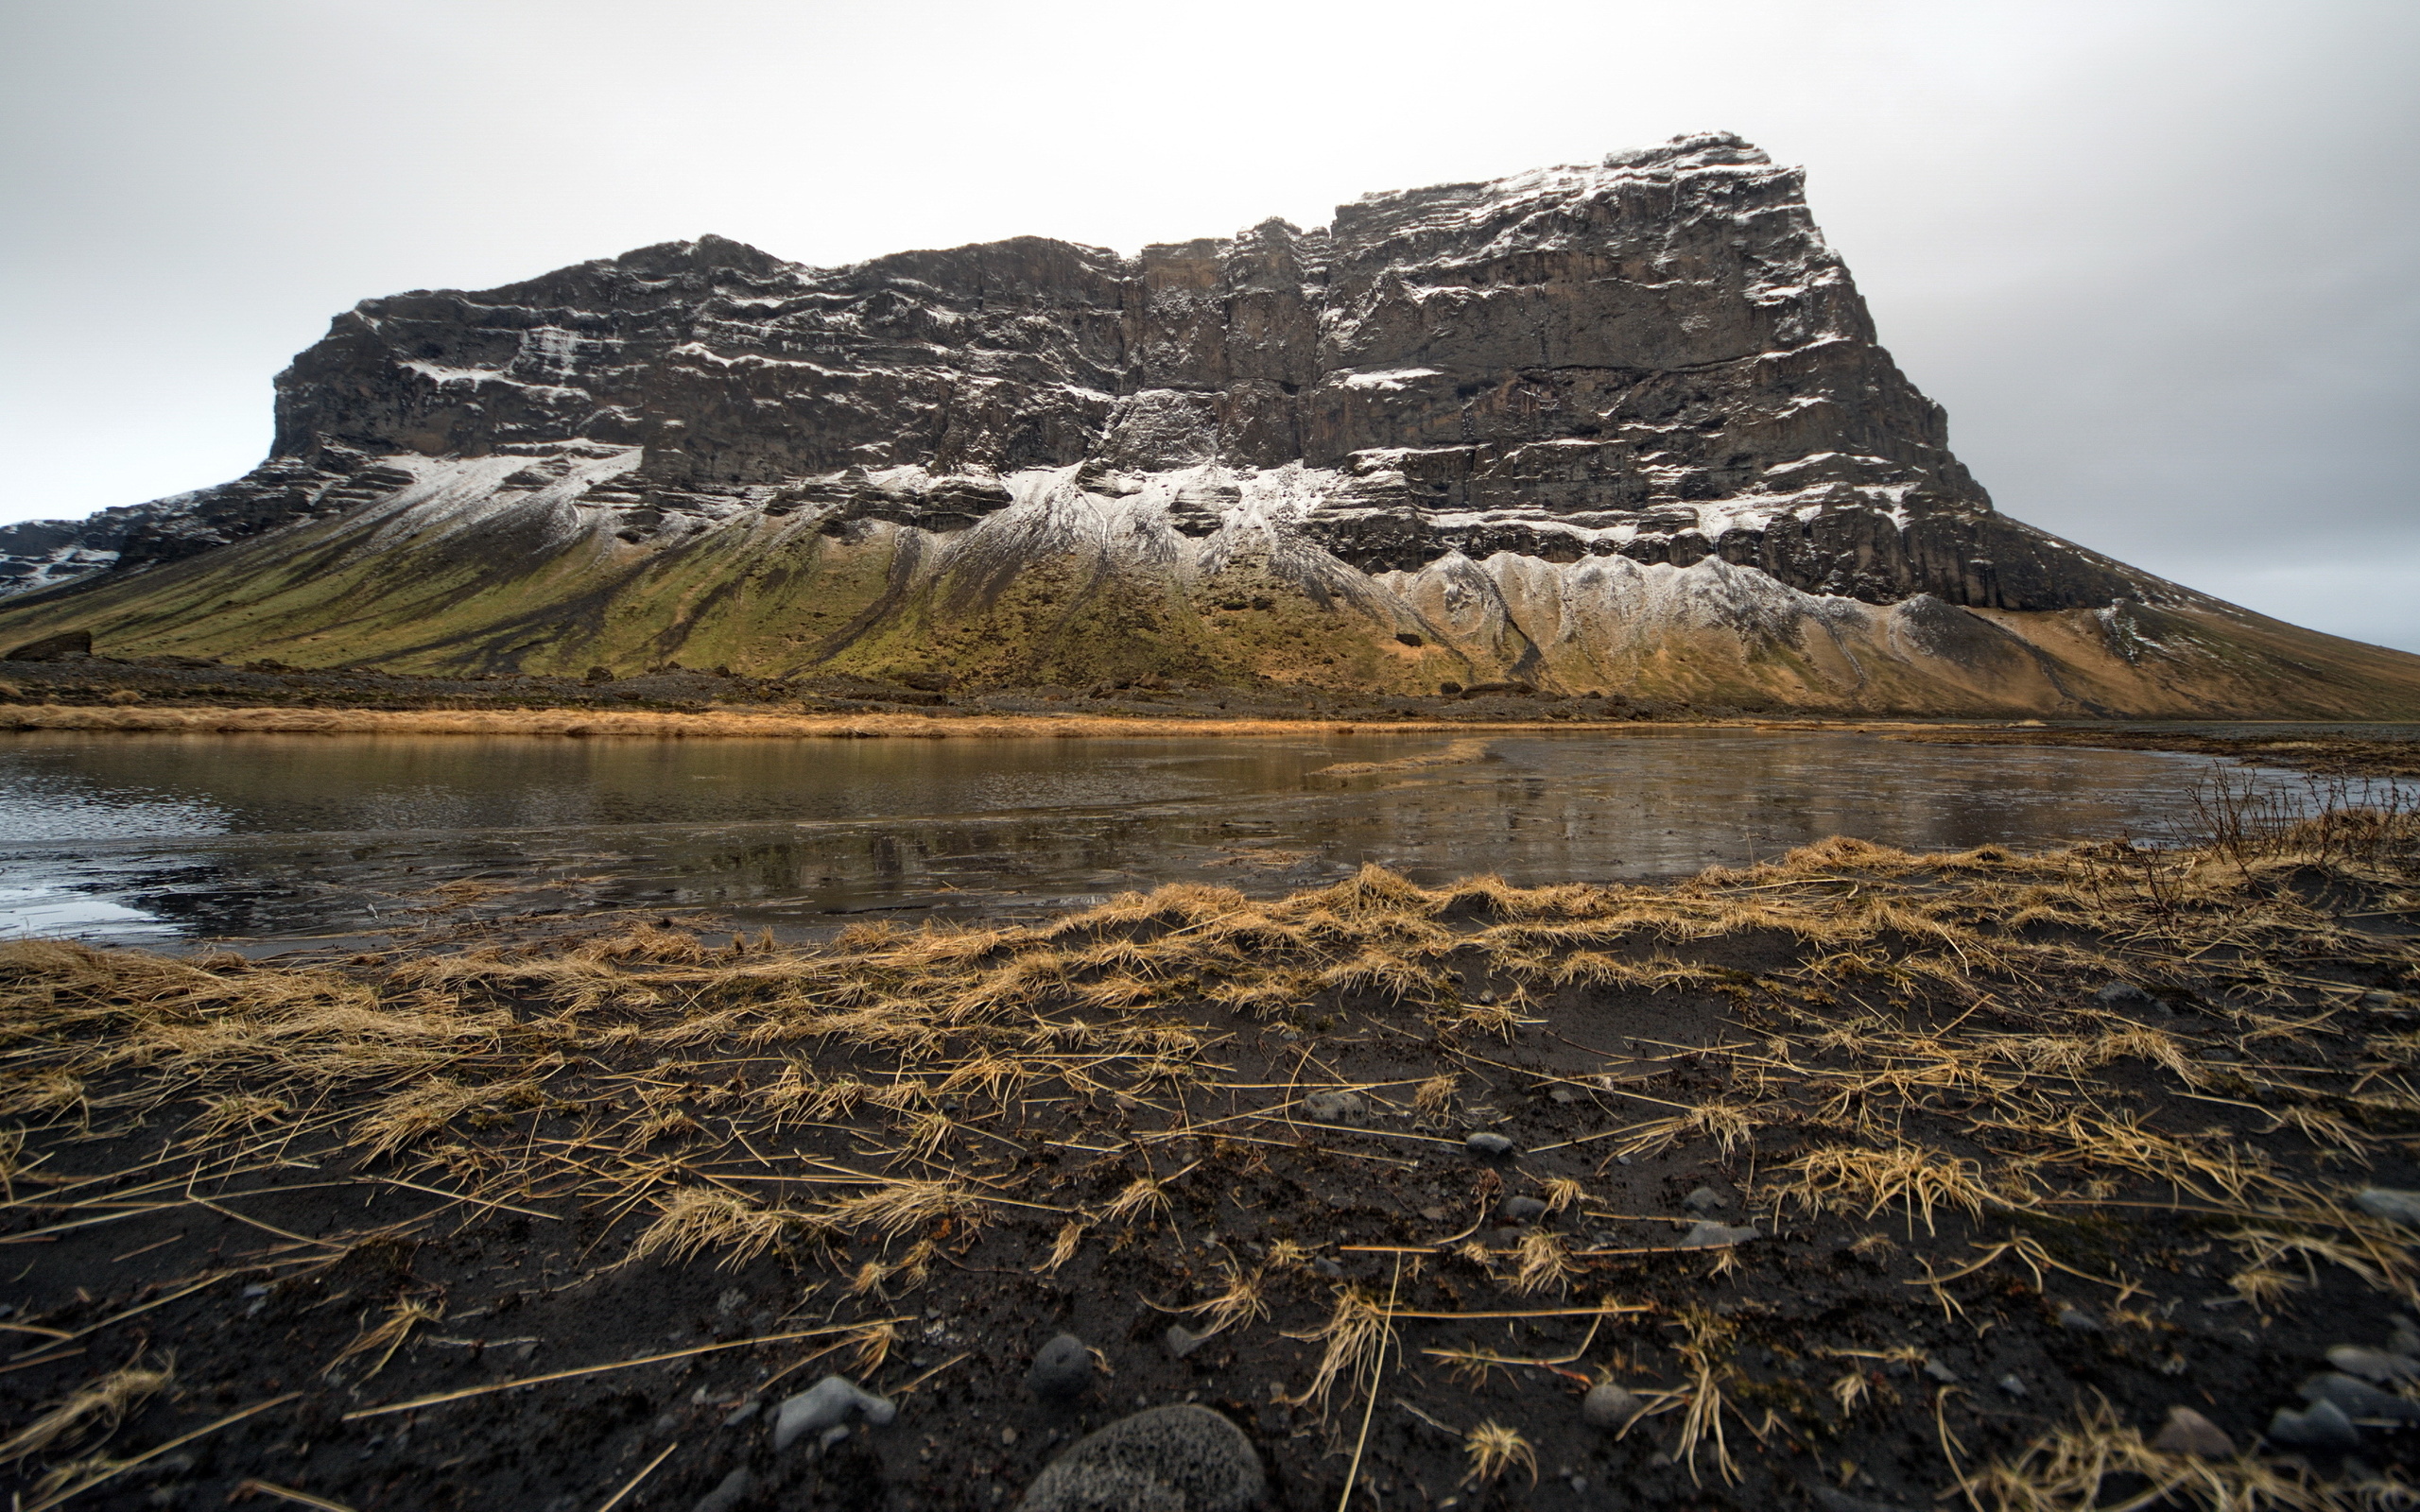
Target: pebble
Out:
[2359,1399]
[1524,1210]
[2188,1431]
[1609,1406]
[1181,1341]
[1326,1267]
[1563,1095]
[1706,1200]
[2391,1204]
[1062,1368]
[2014,1386]
[2322,1427]
[728,1493]
[742,1413]
[1184,1458]
[2372,1365]
[1711,1235]
[1486,1143]
[2124,996]
[827,1405]
[1940,1372]
[2076,1320]
[1334,1107]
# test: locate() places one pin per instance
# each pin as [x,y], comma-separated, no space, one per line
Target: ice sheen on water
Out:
[117,834]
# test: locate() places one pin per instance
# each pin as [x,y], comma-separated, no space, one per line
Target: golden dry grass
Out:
[1919,1038]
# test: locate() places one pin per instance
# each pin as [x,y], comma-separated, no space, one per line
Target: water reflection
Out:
[261,834]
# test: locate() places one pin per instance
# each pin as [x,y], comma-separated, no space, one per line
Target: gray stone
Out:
[1608,1406]
[2124,996]
[1940,1372]
[1524,1210]
[1711,1235]
[1062,1368]
[1182,1340]
[2374,1364]
[2013,1385]
[745,1411]
[1334,1107]
[825,1405]
[2391,1203]
[2188,1431]
[731,1490]
[2359,1399]
[1182,1458]
[1487,1144]
[1706,1200]
[2323,1427]
[2076,1320]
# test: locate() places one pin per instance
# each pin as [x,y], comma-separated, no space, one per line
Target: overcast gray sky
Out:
[2161,261]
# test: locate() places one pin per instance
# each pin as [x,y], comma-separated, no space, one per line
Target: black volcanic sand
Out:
[315,1189]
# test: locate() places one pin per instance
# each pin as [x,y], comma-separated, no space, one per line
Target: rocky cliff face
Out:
[1542,426]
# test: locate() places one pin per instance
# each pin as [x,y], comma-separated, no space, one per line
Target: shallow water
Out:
[119,836]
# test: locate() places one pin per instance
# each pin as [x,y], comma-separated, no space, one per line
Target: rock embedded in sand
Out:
[2374,1364]
[1524,1210]
[1182,1458]
[1334,1107]
[1609,1406]
[2322,1427]
[728,1493]
[1711,1235]
[826,1406]
[2124,996]
[2359,1399]
[2188,1431]
[2391,1203]
[1706,1200]
[1181,1341]
[1062,1368]
[1487,1144]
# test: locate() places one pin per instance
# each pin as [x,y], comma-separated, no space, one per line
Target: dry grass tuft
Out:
[697,1219]
[2072,1470]
[1351,1342]
[1491,1449]
[1908,1176]
[98,1406]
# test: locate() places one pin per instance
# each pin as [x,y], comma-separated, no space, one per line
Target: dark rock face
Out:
[1656,357]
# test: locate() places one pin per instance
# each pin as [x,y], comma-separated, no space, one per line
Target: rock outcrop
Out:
[1584,425]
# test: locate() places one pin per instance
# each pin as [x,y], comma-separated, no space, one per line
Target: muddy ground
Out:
[2030,1146]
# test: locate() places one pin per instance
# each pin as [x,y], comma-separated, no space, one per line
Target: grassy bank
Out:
[1868,1174]
[707,725]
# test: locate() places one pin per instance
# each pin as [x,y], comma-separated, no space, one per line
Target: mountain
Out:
[1623,427]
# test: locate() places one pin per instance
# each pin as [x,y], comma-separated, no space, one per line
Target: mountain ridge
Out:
[1622,426]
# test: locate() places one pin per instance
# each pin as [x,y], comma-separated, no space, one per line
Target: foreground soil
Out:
[1876,1179]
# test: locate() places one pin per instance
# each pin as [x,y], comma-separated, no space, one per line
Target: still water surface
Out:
[164,835]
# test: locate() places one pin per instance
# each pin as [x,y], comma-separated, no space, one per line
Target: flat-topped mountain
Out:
[1620,427]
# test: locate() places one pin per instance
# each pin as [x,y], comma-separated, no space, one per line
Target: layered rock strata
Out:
[1563,426]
